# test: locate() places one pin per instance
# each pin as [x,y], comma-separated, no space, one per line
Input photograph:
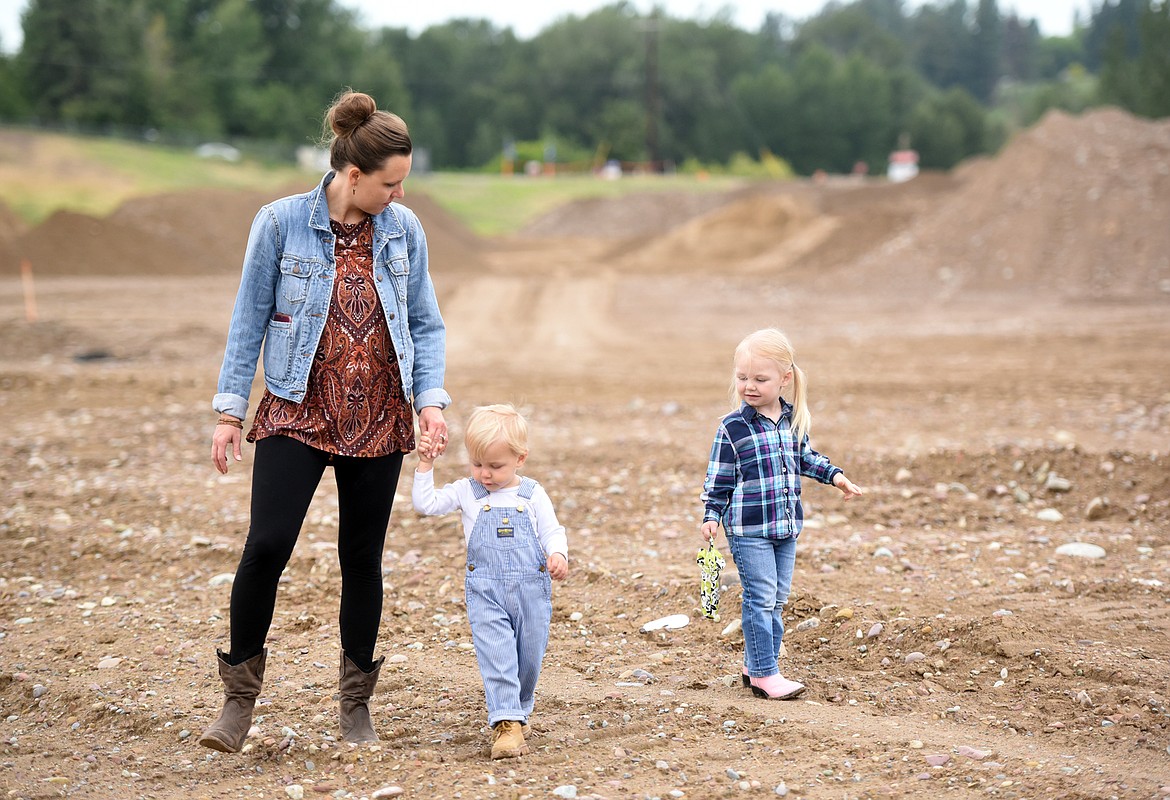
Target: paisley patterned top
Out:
[354,404]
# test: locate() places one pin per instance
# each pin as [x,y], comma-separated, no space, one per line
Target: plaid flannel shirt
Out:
[753,476]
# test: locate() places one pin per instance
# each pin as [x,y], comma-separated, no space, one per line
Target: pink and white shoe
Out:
[776,687]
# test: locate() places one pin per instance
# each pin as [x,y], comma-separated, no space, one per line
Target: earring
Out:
[353,189]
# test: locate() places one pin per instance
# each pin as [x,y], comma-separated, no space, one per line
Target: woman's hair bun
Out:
[350,111]
[358,133]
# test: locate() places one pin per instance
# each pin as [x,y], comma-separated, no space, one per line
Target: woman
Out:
[336,288]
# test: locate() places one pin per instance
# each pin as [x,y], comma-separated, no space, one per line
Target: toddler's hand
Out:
[847,487]
[426,449]
[710,531]
[558,566]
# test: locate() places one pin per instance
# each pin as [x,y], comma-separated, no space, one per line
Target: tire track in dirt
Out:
[554,312]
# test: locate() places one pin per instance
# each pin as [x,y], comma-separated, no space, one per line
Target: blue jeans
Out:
[765,572]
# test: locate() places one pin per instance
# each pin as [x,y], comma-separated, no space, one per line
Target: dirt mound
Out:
[1078,207]
[641,214]
[181,233]
[11,227]
[1074,208]
[750,231]
[184,233]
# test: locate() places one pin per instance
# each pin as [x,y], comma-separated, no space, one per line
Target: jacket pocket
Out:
[294,279]
[399,270]
[278,349]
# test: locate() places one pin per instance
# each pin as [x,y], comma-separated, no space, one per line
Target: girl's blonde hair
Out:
[494,423]
[773,345]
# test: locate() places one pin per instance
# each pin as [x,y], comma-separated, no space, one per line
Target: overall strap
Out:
[527,488]
[478,489]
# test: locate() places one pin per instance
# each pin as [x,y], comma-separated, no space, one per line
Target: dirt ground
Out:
[988,353]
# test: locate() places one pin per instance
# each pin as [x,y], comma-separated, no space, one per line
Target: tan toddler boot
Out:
[508,739]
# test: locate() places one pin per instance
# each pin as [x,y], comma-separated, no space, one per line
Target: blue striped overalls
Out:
[509,603]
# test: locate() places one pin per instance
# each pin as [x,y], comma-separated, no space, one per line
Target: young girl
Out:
[753,488]
[514,545]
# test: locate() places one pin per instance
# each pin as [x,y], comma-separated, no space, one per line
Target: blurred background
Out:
[751,89]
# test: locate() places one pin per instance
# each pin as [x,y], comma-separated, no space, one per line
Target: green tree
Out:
[854,30]
[820,138]
[768,100]
[697,65]
[227,53]
[986,51]
[1140,84]
[869,125]
[941,43]
[1154,61]
[1021,53]
[581,67]
[82,62]
[13,105]
[453,73]
[947,127]
[1113,32]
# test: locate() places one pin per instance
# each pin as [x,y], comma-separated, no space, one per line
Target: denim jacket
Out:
[284,297]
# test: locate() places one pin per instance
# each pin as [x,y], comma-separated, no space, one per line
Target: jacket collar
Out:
[386,225]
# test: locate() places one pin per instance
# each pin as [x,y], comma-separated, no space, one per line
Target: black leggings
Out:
[284,477]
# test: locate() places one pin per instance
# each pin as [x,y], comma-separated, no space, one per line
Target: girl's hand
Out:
[225,436]
[430,421]
[558,566]
[710,531]
[847,487]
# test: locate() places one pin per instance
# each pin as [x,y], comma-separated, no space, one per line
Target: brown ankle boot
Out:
[508,739]
[356,687]
[241,685]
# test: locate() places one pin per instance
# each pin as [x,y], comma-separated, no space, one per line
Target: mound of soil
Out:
[186,233]
[1076,207]
[741,232]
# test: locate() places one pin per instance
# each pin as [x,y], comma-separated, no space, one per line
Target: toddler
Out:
[514,546]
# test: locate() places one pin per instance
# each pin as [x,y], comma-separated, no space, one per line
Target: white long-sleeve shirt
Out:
[460,495]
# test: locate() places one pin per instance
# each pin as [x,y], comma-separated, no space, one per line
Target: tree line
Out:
[842,88]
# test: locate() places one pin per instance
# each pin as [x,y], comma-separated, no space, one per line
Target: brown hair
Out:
[359,134]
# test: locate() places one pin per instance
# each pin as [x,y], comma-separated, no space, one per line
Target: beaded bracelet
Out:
[235,423]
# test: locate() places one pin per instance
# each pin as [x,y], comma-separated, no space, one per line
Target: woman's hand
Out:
[431,424]
[225,436]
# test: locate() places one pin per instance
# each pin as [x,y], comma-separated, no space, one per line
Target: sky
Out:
[528,17]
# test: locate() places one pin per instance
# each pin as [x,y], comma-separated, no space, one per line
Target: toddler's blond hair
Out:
[495,423]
